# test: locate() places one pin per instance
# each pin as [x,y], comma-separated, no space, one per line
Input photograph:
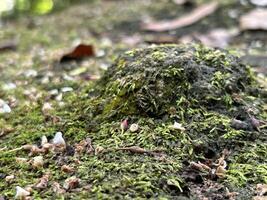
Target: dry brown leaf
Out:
[134,149]
[81,51]
[200,166]
[254,20]
[57,188]
[67,169]
[71,183]
[185,20]
[84,146]
[43,182]
[261,189]
[220,172]
[217,37]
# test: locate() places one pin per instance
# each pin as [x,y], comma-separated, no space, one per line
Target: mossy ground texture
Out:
[209,92]
[218,102]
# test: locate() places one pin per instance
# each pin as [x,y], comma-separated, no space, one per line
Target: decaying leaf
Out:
[80,52]
[186,20]
[84,146]
[67,169]
[71,183]
[134,149]
[200,166]
[261,189]
[99,150]
[57,188]
[217,37]
[177,126]
[220,172]
[254,20]
[43,182]
[231,195]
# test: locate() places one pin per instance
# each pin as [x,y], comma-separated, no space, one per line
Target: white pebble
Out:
[134,128]
[66,89]
[59,140]
[21,193]
[4,107]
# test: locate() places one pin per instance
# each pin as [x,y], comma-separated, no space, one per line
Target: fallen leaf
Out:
[261,189]
[200,166]
[57,188]
[254,20]
[71,183]
[217,37]
[185,20]
[9,45]
[161,39]
[43,182]
[80,52]
[177,126]
[67,169]
[220,172]
[134,149]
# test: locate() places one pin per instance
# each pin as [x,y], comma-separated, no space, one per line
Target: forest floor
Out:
[46,96]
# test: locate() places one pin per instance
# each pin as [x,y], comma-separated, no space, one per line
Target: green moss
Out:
[201,88]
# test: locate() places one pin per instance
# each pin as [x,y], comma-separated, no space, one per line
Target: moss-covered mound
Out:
[218,140]
[209,92]
[149,82]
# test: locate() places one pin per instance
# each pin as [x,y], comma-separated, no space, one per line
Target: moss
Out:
[201,88]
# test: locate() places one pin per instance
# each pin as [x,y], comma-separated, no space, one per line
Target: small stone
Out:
[134,128]
[47,107]
[38,162]
[21,193]
[178,126]
[4,107]
[9,178]
[59,141]
[44,140]
[9,86]
[66,89]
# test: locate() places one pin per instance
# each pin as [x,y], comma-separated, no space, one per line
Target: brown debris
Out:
[186,20]
[200,166]
[67,169]
[43,182]
[71,183]
[254,20]
[57,188]
[9,45]
[261,189]
[84,146]
[80,52]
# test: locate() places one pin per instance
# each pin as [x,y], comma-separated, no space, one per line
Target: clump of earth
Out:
[213,98]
